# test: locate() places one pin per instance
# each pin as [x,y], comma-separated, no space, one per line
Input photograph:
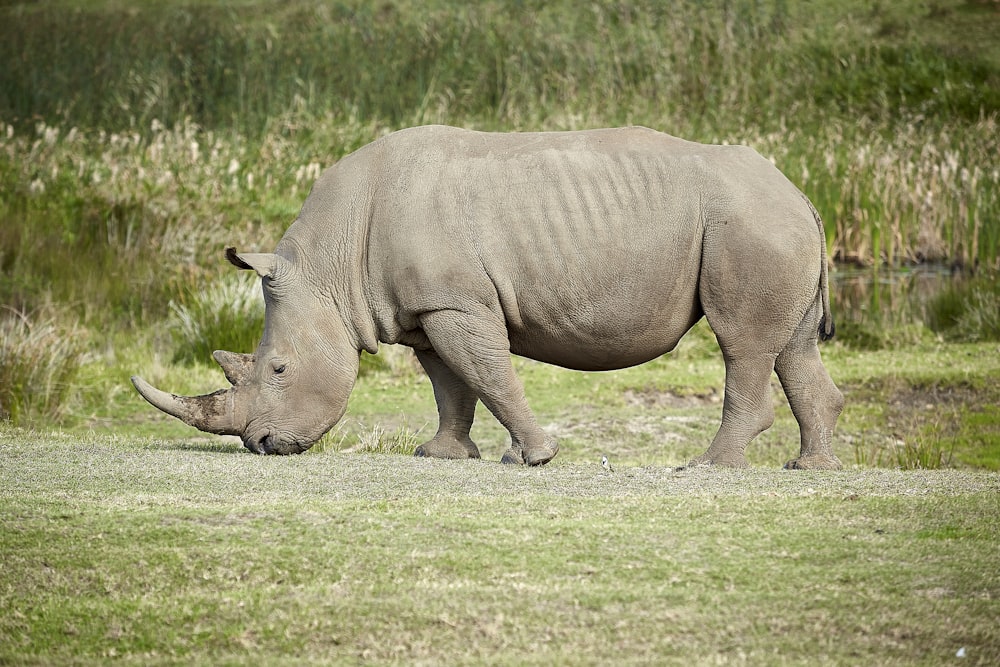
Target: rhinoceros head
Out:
[295,387]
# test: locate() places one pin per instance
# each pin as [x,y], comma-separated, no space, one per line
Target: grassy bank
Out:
[147,551]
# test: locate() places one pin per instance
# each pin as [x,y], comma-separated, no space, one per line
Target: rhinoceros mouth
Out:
[268,444]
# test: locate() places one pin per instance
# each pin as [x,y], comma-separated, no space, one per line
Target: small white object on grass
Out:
[606,464]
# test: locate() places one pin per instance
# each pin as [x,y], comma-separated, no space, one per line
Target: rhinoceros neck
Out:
[331,252]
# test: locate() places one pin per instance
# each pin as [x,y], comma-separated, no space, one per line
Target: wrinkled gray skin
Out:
[591,250]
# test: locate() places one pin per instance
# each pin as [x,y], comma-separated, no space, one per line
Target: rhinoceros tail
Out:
[826,327]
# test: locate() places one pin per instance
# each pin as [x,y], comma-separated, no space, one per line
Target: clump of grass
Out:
[920,441]
[38,361]
[381,441]
[924,452]
[227,315]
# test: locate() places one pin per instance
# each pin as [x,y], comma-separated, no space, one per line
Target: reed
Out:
[899,194]
[38,361]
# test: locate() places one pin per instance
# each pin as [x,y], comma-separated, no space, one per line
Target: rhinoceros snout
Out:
[256,445]
[269,444]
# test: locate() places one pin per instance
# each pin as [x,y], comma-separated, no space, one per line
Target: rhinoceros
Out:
[592,250]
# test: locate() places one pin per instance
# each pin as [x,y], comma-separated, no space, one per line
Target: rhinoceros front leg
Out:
[456,404]
[474,345]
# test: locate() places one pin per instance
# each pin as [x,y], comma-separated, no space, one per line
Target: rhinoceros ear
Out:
[266,265]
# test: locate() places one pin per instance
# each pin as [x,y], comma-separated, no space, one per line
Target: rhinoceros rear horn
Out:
[236,366]
[212,413]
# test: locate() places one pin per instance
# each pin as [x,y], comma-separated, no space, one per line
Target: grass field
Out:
[179,548]
[137,140]
[150,551]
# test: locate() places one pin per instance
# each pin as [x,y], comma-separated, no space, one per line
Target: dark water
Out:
[868,299]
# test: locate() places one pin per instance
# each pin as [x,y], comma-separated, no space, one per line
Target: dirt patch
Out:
[903,402]
[651,397]
[912,409]
[929,398]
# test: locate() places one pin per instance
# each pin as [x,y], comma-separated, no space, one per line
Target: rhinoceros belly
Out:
[619,324]
[596,265]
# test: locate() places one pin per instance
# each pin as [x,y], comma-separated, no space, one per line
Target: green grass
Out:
[933,397]
[137,141]
[384,559]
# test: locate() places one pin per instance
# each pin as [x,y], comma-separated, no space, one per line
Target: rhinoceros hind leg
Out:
[813,397]
[473,344]
[746,411]
[456,404]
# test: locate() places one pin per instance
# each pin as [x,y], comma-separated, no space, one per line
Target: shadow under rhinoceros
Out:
[222,445]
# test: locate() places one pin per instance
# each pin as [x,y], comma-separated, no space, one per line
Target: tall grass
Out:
[896,193]
[38,360]
[227,315]
[510,63]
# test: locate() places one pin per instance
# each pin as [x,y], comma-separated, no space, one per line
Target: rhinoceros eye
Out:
[278,367]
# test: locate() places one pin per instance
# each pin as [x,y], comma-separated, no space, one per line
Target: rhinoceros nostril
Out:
[257,445]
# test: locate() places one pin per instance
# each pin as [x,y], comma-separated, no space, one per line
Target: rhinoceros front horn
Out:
[212,413]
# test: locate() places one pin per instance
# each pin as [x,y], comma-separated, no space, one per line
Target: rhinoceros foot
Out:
[537,455]
[724,459]
[512,457]
[814,462]
[443,447]
[541,453]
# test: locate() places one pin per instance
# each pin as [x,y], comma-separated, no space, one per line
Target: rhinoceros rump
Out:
[591,250]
